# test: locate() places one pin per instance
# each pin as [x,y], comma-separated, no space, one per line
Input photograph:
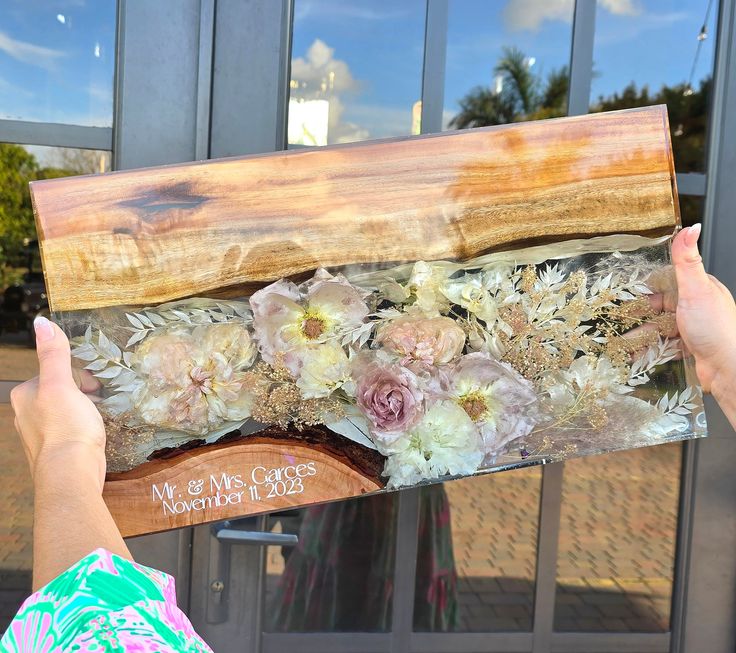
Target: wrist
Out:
[72,464]
[723,387]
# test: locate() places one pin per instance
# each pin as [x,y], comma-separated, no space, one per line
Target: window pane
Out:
[617,541]
[339,577]
[652,52]
[21,277]
[477,554]
[506,61]
[691,209]
[57,60]
[22,296]
[356,69]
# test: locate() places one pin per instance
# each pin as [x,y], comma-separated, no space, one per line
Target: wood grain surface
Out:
[229,480]
[149,236]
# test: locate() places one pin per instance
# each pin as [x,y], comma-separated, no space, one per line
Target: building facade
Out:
[633,551]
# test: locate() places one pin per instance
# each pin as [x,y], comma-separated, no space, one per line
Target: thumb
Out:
[54,356]
[692,280]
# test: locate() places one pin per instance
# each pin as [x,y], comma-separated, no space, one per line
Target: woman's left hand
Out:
[55,418]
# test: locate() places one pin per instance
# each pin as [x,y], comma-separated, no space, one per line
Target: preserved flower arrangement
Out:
[285,329]
[444,368]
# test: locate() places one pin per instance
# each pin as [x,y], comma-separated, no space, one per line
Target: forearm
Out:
[70,518]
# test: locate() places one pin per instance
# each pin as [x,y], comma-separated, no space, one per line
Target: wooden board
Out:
[223,481]
[149,236]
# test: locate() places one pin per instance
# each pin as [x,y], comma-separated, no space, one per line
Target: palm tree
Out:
[519,98]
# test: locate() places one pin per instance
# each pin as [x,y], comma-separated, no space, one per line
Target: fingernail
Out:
[44,329]
[692,235]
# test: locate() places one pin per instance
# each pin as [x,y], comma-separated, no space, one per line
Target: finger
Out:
[85,380]
[692,281]
[665,328]
[656,301]
[54,356]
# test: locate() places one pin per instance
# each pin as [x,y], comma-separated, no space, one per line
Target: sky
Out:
[57,56]
[56,60]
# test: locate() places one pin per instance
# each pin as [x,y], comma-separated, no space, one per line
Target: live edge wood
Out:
[149,236]
[257,474]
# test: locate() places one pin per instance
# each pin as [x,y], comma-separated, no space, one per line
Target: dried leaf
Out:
[156,318]
[136,337]
[134,321]
[144,320]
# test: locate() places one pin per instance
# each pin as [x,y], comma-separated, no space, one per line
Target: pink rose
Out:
[390,398]
[429,341]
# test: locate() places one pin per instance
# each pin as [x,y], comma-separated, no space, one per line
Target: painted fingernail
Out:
[44,329]
[692,235]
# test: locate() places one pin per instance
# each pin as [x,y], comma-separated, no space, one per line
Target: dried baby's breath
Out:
[277,399]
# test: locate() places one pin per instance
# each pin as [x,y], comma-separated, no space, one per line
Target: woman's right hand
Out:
[706,317]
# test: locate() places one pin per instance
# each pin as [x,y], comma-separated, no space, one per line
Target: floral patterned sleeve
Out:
[103,603]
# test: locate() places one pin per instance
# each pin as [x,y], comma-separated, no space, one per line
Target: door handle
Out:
[222,537]
[226,534]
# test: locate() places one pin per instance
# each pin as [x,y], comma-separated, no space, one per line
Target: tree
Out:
[523,95]
[526,96]
[17,168]
[687,109]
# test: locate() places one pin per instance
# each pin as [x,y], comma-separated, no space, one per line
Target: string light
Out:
[702,35]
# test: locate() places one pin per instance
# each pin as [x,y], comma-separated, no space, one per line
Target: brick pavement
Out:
[616,543]
[17,361]
[616,548]
[16,520]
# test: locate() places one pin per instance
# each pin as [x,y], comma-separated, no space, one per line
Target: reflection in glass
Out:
[648,52]
[22,297]
[490,555]
[339,576]
[356,70]
[57,60]
[506,61]
[21,278]
[617,541]
[691,209]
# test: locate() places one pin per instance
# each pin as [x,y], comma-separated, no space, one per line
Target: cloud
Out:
[100,92]
[380,121]
[342,10]
[633,30]
[319,74]
[14,89]
[318,67]
[530,14]
[30,53]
